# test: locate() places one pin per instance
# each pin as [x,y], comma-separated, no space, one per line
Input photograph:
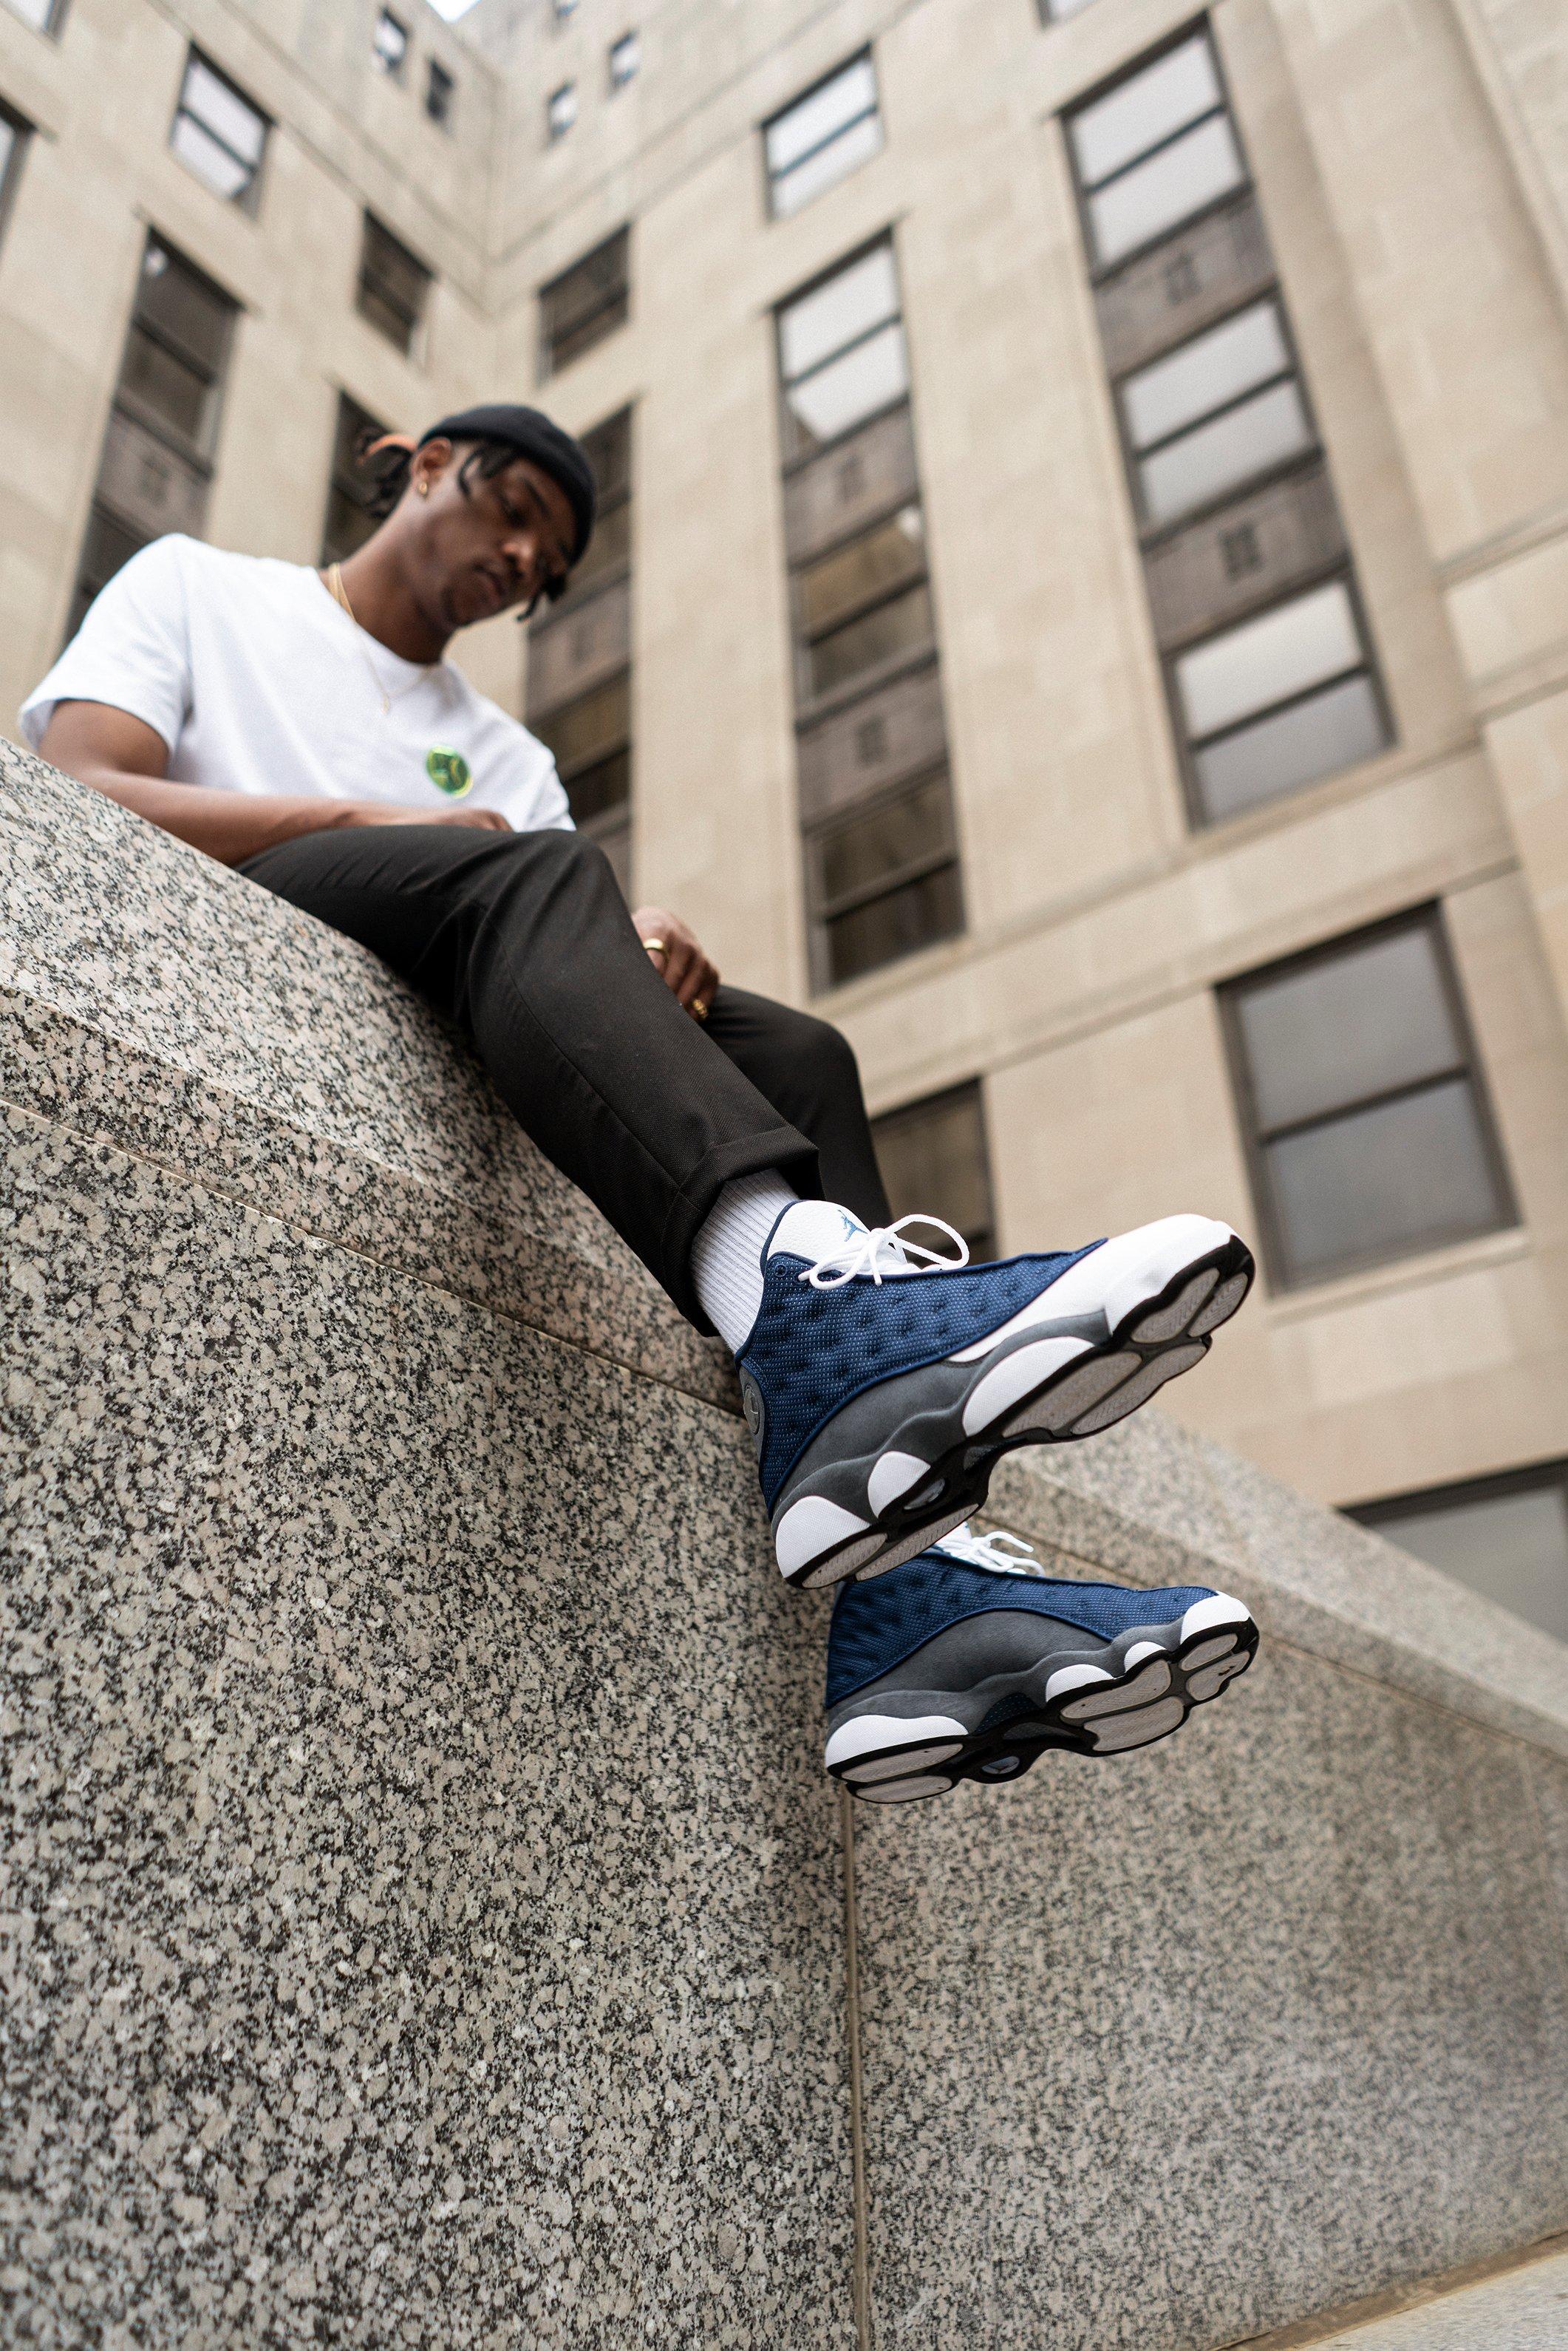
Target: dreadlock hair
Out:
[389,473]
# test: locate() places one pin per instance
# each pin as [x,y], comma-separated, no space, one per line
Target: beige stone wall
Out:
[1410,161]
[99,172]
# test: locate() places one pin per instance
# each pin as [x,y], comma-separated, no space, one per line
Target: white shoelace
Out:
[882,1251]
[987,1551]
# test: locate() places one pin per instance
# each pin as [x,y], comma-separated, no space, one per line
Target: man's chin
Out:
[464,606]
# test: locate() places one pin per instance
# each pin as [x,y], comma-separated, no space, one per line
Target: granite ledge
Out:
[155,1002]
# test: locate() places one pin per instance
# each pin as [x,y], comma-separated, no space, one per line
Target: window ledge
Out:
[1408,1273]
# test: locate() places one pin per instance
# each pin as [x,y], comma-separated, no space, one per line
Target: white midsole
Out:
[867,1732]
[1114,1278]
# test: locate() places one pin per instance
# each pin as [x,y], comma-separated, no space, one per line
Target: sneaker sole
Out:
[1045,1389]
[1153,1677]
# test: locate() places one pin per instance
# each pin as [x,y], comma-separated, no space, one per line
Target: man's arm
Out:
[127,760]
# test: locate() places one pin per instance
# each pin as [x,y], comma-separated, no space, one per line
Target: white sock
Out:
[727,1256]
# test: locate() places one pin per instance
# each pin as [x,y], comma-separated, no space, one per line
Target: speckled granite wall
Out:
[422,1913]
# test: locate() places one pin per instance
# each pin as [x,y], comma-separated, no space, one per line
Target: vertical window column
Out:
[585,303]
[157,460]
[1268,666]
[580,660]
[349,521]
[876,808]
[14,132]
[393,286]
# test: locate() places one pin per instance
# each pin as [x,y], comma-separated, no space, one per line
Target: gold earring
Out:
[424,490]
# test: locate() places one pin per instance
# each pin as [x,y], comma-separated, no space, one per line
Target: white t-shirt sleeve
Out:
[131,651]
[553,809]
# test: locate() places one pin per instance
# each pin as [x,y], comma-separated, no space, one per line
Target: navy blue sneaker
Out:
[883,1383]
[967,1664]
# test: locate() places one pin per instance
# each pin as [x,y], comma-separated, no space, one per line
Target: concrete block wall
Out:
[426,1922]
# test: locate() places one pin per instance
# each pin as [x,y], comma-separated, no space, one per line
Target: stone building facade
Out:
[1084,602]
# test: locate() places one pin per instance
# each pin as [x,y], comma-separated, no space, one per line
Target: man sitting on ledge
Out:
[307,729]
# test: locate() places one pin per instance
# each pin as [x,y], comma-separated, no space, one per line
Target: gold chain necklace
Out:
[333,579]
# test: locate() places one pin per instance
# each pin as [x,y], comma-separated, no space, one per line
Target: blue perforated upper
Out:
[812,1350]
[879,1623]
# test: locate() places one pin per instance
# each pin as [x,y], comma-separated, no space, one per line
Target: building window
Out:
[578,698]
[394,286]
[157,462]
[820,137]
[1220,410]
[440,93]
[625,57]
[1272,678]
[14,136]
[876,804]
[935,1162]
[560,111]
[1506,1537]
[842,355]
[1369,1134]
[349,521]
[219,133]
[44,15]
[390,43]
[1279,700]
[584,304]
[563,9]
[1054,11]
[1155,148]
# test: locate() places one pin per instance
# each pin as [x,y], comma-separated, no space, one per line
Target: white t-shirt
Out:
[259,682]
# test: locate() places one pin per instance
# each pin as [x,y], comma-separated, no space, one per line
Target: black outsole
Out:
[960,1478]
[1004,1752]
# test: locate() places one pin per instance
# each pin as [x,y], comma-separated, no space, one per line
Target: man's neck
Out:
[384,606]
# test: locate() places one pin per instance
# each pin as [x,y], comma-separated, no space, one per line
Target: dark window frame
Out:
[349,483]
[157,330]
[1153,534]
[53,23]
[616,299]
[791,460]
[554,132]
[22,132]
[1189,747]
[582,588]
[909,1113]
[440,93]
[614,81]
[811,705]
[1427,917]
[249,200]
[1100,271]
[201,460]
[366,280]
[871,113]
[823,910]
[395,69]
[1533,1478]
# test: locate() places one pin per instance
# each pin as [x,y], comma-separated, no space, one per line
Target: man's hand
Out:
[677,958]
[358,812]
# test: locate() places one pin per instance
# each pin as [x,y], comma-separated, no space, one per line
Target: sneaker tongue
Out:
[812,1229]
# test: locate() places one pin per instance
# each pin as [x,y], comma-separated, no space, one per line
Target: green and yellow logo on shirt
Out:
[449,771]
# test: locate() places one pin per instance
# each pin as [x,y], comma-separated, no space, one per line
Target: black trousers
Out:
[524,941]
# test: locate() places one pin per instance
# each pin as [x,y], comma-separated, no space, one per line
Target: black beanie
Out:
[532,434]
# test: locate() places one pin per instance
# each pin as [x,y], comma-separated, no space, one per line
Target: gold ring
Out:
[655,946]
[699,1007]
